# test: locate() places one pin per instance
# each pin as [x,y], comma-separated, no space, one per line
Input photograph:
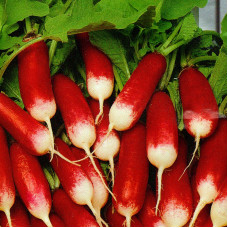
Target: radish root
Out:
[111,162]
[48,122]
[128,221]
[47,222]
[159,176]
[199,207]
[197,139]
[100,114]
[7,213]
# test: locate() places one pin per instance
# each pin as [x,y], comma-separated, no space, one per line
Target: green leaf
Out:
[218,79]
[83,16]
[224,30]
[110,43]
[3,15]
[173,89]
[173,9]
[10,85]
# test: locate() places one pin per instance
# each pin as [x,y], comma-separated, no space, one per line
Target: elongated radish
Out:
[74,179]
[7,189]
[176,204]
[19,216]
[35,83]
[31,183]
[114,219]
[56,221]
[132,174]
[132,100]
[199,105]
[147,214]
[72,214]
[99,72]
[213,154]
[219,207]
[107,150]
[77,116]
[100,193]
[162,135]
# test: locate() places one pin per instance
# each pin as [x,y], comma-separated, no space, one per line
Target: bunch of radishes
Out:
[98,132]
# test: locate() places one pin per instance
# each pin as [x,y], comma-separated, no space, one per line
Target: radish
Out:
[114,219]
[219,207]
[132,100]
[31,183]
[77,116]
[162,135]
[24,128]
[176,204]
[7,189]
[100,193]
[72,214]
[199,105]
[35,84]
[55,220]
[213,154]
[99,72]
[19,216]
[110,147]
[147,214]
[132,174]
[74,179]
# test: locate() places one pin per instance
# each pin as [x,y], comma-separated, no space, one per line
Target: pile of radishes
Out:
[188,192]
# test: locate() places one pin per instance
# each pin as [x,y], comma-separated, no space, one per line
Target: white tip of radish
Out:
[219,212]
[121,116]
[82,134]
[7,213]
[128,221]
[47,221]
[160,172]
[162,156]
[100,114]
[43,109]
[175,215]
[99,87]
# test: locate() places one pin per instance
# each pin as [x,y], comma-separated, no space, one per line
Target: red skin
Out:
[197,99]
[147,214]
[55,221]
[102,126]
[172,186]
[69,174]
[19,216]
[72,214]
[117,220]
[161,121]
[71,103]
[96,62]
[21,125]
[30,181]
[132,175]
[213,154]
[142,83]
[7,189]
[34,74]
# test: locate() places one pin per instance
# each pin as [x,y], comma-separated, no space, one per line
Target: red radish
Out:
[162,135]
[114,219]
[55,220]
[35,83]
[99,72]
[74,179]
[19,216]
[72,214]
[199,105]
[132,174]
[100,193]
[31,183]
[132,100]
[7,189]
[176,204]
[77,116]
[219,207]
[147,214]
[107,150]
[213,154]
